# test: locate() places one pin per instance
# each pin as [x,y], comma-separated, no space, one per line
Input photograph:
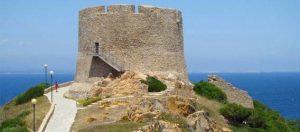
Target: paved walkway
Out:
[64,113]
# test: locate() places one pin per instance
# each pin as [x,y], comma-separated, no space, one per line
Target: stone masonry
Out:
[147,39]
[234,95]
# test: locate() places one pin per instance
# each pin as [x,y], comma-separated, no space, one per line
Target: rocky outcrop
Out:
[146,109]
[180,105]
[160,126]
[201,122]
[234,95]
[127,84]
[125,98]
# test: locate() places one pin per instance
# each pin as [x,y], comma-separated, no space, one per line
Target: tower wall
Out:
[149,40]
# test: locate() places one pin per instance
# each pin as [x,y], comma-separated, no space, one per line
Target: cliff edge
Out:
[234,95]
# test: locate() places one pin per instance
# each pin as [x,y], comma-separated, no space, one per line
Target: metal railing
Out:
[108,58]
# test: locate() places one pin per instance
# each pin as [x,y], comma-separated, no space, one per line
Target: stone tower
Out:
[117,38]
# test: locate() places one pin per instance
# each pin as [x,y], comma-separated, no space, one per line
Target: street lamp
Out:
[46,66]
[33,101]
[51,74]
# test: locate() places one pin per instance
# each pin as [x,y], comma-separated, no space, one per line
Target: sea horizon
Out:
[212,72]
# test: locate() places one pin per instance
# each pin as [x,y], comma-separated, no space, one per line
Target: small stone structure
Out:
[119,38]
[234,95]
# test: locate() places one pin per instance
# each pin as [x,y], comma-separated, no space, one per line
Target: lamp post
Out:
[46,66]
[33,101]
[51,75]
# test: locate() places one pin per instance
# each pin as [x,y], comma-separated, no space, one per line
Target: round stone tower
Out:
[117,38]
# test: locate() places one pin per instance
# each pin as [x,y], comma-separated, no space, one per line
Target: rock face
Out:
[148,40]
[146,109]
[128,84]
[201,122]
[160,126]
[234,95]
[126,98]
[181,106]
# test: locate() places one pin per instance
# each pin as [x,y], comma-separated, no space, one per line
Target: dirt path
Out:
[64,113]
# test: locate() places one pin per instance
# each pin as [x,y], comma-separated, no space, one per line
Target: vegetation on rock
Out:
[87,101]
[33,92]
[210,91]
[154,85]
[261,118]
[175,119]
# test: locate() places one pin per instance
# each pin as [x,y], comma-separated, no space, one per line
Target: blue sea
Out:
[280,91]
[12,85]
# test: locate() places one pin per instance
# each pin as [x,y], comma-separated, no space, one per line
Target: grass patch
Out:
[121,126]
[12,111]
[15,124]
[210,91]
[175,119]
[33,92]
[154,85]
[87,101]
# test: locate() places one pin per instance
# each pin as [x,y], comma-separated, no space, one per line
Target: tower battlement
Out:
[129,9]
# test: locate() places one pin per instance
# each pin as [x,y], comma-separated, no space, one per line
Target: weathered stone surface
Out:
[179,105]
[149,40]
[160,126]
[234,95]
[201,122]
[146,109]
[128,84]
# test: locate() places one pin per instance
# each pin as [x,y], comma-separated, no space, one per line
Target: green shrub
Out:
[278,126]
[33,92]
[154,85]
[210,91]
[87,101]
[259,105]
[236,114]
[261,118]
[257,119]
[16,124]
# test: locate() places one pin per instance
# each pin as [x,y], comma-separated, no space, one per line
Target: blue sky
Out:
[219,35]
